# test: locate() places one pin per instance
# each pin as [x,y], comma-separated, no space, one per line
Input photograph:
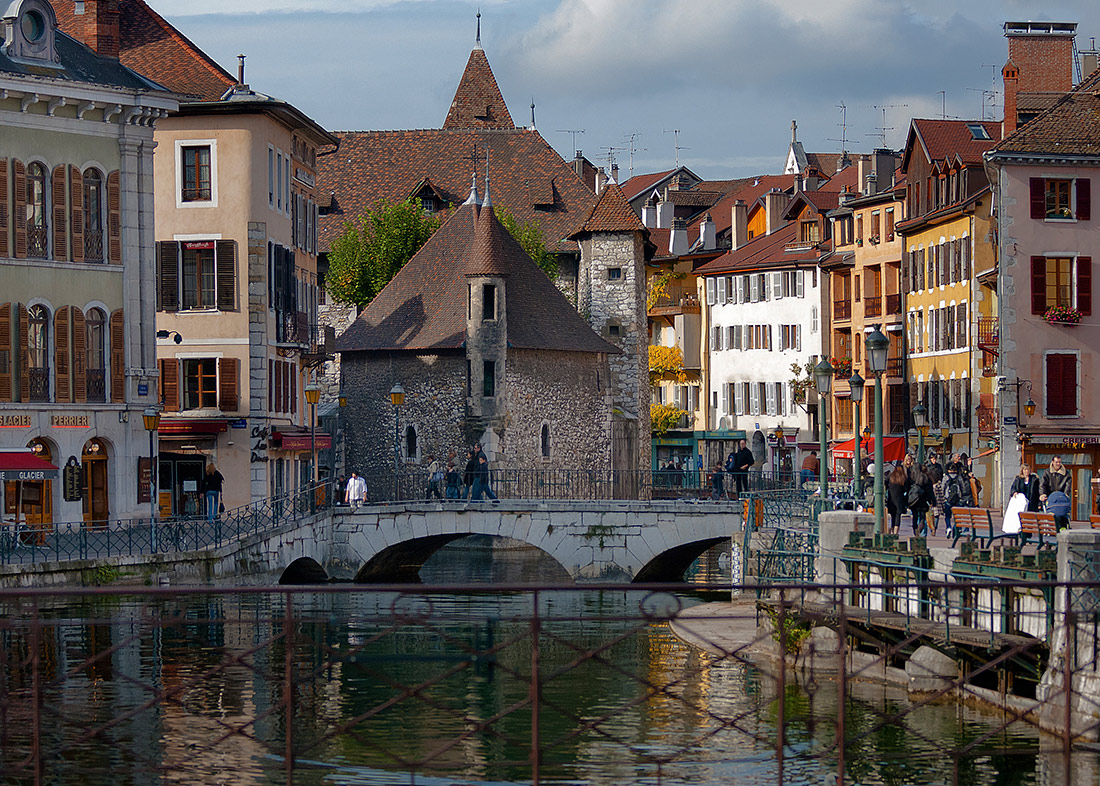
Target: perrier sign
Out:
[72,485]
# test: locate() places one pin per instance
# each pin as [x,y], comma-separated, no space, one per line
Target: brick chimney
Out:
[739,224]
[775,202]
[1040,60]
[101,27]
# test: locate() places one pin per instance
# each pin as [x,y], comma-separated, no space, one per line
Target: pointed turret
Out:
[488,256]
[478,102]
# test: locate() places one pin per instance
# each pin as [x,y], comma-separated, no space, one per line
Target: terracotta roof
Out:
[77,63]
[821,199]
[762,251]
[1071,127]
[486,257]
[423,308]
[750,190]
[639,184]
[940,139]
[478,102]
[612,213]
[694,198]
[825,163]
[525,172]
[154,48]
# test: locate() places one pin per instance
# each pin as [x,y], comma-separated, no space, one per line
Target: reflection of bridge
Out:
[592,540]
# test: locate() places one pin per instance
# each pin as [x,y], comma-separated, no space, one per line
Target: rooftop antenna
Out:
[477,41]
[630,146]
[989,98]
[676,143]
[943,105]
[611,151]
[573,132]
[843,127]
[532,113]
[881,130]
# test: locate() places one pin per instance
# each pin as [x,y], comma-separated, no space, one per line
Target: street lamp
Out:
[778,433]
[823,377]
[151,419]
[397,398]
[313,395]
[877,348]
[920,420]
[855,384]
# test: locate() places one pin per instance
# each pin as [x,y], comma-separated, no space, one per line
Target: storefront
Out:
[1080,454]
[27,481]
[186,447]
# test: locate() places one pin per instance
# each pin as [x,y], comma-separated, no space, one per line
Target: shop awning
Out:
[185,426]
[298,438]
[893,448]
[24,465]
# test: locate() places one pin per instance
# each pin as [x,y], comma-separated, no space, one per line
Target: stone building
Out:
[486,349]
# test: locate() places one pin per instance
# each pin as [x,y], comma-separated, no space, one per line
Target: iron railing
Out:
[531,685]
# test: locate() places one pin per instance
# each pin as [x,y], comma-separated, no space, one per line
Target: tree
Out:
[666,364]
[529,235]
[664,417]
[374,247]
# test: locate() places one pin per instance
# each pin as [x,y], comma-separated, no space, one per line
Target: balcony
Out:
[895,367]
[292,327]
[989,334]
[39,384]
[677,300]
[96,385]
[893,305]
[872,306]
[842,309]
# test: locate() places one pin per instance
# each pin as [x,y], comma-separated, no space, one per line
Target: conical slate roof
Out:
[423,308]
[478,102]
[612,213]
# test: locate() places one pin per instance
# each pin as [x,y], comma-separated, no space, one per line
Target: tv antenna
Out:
[632,149]
[989,98]
[611,151]
[943,104]
[572,132]
[676,136]
[843,128]
[881,130]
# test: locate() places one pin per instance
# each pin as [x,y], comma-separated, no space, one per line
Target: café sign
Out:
[15,421]
[69,421]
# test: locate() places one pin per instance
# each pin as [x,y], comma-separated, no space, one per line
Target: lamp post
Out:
[397,398]
[778,448]
[920,420]
[855,385]
[877,348]
[823,377]
[151,419]
[313,395]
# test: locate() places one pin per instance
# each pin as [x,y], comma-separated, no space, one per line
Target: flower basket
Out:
[842,367]
[1061,315]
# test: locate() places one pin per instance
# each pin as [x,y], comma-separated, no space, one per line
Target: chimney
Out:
[578,164]
[810,179]
[1090,60]
[649,215]
[678,238]
[775,202]
[601,180]
[615,172]
[665,212]
[101,27]
[240,71]
[883,164]
[739,225]
[707,233]
[1040,60]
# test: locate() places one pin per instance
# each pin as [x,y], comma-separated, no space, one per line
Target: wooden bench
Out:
[1094,519]
[973,524]
[1041,525]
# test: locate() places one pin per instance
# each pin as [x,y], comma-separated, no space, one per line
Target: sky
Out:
[710,84]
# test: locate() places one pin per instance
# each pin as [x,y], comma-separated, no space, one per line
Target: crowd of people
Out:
[473,483]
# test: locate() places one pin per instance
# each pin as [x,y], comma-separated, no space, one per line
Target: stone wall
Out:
[258,348]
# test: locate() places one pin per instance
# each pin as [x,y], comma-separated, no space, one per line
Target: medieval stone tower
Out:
[611,295]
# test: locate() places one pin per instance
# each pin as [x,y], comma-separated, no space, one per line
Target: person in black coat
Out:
[742,460]
[1027,483]
[468,473]
[920,502]
[897,491]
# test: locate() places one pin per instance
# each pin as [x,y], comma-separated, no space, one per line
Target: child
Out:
[717,483]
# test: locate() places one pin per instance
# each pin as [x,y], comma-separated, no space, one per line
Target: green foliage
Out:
[802,381]
[600,533]
[529,235]
[789,628]
[663,417]
[374,247]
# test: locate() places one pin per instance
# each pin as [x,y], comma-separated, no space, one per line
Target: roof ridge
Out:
[188,44]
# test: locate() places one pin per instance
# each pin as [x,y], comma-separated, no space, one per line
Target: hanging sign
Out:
[72,486]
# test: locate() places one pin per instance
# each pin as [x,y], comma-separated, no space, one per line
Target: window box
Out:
[842,366]
[1062,315]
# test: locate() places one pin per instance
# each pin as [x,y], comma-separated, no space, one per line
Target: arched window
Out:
[95,348]
[38,353]
[411,446]
[545,440]
[37,235]
[93,216]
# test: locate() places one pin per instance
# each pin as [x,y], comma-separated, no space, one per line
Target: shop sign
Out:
[72,486]
[238,423]
[1075,440]
[15,421]
[68,421]
[198,245]
[145,479]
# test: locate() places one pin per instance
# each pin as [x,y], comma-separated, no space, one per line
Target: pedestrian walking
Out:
[919,499]
[435,478]
[356,491]
[1027,483]
[468,473]
[482,485]
[742,460]
[1057,478]
[956,493]
[897,495]
[212,487]
[454,481]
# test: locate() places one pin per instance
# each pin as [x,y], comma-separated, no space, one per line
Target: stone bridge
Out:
[593,541]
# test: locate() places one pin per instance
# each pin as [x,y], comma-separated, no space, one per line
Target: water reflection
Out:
[432,687]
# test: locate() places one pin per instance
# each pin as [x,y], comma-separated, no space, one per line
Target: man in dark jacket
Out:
[1057,478]
[742,460]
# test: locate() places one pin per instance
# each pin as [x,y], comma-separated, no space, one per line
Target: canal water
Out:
[190,689]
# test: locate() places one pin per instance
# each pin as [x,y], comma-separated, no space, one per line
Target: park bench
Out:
[1041,525]
[973,524]
[1094,519]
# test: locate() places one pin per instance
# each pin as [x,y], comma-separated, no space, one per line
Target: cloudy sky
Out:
[721,79]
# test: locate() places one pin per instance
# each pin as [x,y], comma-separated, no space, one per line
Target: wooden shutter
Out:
[270,385]
[292,379]
[168,276]
[1061,384]
[60,214]
[169,384]
[19,178]
[1084,285]
[5,352]
[1038,284]
[24,355]
[62,368]
[76,214]
[1038,197]
[1084,199]
[227,384]
[5,214]
[80,370]
[226,255]
[118,357]
[114,219]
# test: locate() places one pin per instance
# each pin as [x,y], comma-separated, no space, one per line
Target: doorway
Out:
[93,461]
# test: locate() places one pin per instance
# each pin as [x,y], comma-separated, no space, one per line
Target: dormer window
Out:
[29,32]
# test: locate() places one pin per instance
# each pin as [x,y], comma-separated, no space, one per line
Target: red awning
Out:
[893,448]
[24,465]
[297,438]
[168,427]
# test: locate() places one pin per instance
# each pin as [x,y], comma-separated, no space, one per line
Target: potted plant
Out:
[842,366]
[1062,315]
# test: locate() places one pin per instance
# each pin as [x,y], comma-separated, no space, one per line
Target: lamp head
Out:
[878,346]
[855,384]
[867,432]
[920,417]
[823,376]
[397,394]
[1029,407]
[151,419]
[779,433]
[313,393]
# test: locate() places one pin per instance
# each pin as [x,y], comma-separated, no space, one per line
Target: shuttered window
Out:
[5,352]
[228,373]
[118,356]
[1061,281]
[1054,199]
[1061,373]
[196,275]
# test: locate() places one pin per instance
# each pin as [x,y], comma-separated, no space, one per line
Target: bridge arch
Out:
[304,570]
[669,566]
[401,562]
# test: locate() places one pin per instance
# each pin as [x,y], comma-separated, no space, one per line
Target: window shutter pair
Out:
[1038,189]
[1061,384]
[1039,285]
[168,275]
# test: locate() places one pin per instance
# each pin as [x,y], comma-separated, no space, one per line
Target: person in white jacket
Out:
[356,493]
